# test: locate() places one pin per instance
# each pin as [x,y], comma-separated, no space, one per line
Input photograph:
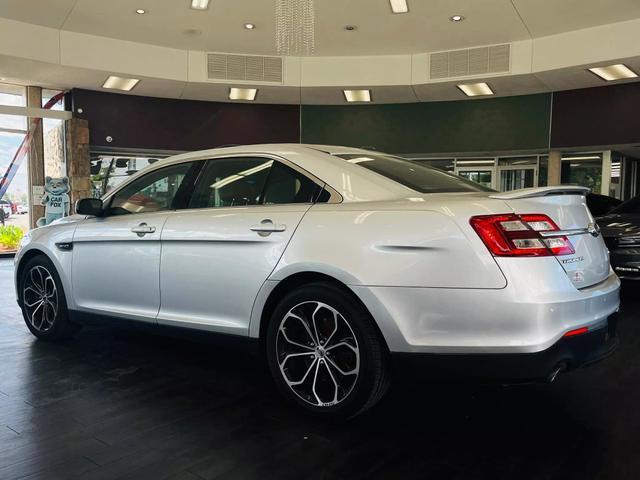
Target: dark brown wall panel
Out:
[169,124]
[596,116]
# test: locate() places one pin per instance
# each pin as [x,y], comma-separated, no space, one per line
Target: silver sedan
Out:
[343,265]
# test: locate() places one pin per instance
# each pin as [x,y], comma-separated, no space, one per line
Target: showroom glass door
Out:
[516,178]
[483,176]
[515,173]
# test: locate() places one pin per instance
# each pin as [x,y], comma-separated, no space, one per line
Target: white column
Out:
[606,172]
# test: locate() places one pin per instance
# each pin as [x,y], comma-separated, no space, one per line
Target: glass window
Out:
[48,94]
[109,170]
[14,95]
[285,185]
[153,192]
[584,170]
[229,182]
[543,171]
[421,178]
[447,165]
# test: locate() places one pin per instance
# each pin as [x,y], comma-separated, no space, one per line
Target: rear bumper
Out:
[566,354]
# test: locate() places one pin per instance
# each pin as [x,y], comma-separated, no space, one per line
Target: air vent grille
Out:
[253,68]
[472,61]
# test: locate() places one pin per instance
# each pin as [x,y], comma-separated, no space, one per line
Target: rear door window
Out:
[231,182]
[286,185]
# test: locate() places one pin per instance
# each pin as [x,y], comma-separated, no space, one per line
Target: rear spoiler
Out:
[542,192]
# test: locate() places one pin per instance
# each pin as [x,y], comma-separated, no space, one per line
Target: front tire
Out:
[325,353]
[43,302]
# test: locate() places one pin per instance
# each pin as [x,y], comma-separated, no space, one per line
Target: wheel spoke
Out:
[34,303]
[353,371]
[304,324]
[304,377]
[344,344]
[315,380]
[335,394]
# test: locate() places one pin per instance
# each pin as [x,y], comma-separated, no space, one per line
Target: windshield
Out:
[419,177]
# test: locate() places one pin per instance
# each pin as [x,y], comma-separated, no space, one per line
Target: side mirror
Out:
[90,206]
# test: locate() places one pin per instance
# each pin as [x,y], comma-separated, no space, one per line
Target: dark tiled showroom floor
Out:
[120,404]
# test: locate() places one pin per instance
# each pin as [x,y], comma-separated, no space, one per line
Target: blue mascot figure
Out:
[55,200]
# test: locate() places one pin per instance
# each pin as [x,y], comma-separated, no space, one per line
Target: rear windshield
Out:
[419,177]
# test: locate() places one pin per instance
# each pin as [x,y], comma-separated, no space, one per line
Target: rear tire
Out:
[43,302]
[325,352]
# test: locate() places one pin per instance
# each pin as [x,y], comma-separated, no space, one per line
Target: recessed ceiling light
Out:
[141,11]
[119,83]
[199,4]
[399,6]
[249,26]
[357,95]
[476,89]
[247,94]
[456,18]
[614,72]
[350,28]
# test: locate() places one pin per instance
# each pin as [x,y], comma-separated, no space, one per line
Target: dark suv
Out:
[621,231]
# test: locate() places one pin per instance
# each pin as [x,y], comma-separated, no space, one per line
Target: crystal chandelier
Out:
[295,27]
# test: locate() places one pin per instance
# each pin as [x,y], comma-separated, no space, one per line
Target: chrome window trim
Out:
[334,195]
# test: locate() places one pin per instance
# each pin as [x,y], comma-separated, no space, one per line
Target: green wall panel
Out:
[507,123]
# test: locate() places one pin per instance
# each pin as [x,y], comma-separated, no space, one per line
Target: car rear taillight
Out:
[511,235]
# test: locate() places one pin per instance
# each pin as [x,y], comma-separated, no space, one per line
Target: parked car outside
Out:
[343,265]
[23,209]
[621,233]
[6,206]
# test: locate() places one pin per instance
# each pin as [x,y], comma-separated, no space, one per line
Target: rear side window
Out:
[418,177]
[285,185]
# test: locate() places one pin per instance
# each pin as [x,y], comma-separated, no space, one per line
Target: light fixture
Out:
[141,11]
[199,4]
[247,94]
[119,83]
[456,18]
[357,95]
[399,6]
[614,72]
[475,89]
[249,26]
[350,28]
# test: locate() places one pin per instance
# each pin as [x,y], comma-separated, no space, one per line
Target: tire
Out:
[49,321]
[339,369]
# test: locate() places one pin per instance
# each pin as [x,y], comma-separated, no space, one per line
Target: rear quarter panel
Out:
[386,245]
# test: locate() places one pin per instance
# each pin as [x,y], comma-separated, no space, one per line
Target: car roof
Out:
[351,181]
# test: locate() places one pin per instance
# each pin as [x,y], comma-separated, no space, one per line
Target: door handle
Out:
[142,229]
[267,227]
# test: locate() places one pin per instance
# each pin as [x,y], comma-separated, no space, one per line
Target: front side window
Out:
[230,182]
[153,192]
[419,177]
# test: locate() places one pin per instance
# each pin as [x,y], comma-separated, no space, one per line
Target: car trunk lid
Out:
[566,206]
